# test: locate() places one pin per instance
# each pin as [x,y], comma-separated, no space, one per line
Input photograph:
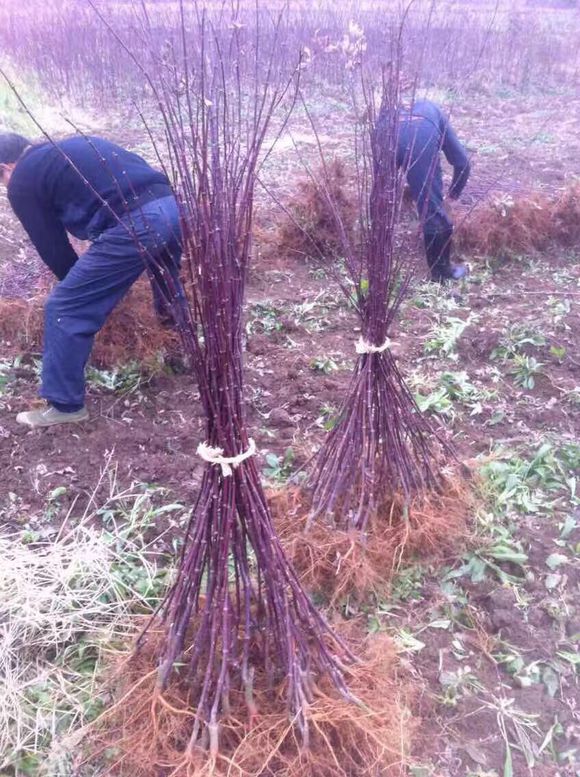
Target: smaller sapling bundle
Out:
[381,445]
[380,470]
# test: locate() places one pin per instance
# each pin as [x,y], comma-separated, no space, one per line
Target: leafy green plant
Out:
[7,377]
[408,584]
[313,314]
[124,379]
[445,335]
[458,684]
[532,485]
[454,387]
[492,557]
[437,401]
[328,417]
[559,308]
[6,367]
[318,273]
[279,468]
[558,351]
[434,297]
[325,364]
[517,337]
[514,724]
[264,318]
[525,370]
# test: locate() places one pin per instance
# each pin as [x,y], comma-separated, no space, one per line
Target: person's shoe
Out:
[50,416]
[458,271]
[455,272]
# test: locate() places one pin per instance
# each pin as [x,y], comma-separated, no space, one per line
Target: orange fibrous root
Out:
[146,733]
[311,226]
[506,224]
[338,562]
[132,333]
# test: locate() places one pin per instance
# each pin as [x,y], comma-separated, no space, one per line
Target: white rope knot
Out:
[363,346]
[227,463]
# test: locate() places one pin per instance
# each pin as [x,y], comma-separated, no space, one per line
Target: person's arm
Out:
[45,230]
[457,157]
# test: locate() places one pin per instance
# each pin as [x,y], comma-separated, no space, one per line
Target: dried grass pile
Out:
[149,732]
[506,225]
[310,228]
[132,332]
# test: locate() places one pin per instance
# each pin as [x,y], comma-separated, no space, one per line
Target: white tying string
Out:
[363,346]
[227,463]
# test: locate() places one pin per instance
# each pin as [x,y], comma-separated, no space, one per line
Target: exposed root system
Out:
[145,734]
[338,563]
[311,229]
[132,333]
[505,225]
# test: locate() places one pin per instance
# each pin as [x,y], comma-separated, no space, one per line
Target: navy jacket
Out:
[423,131]
[80,185]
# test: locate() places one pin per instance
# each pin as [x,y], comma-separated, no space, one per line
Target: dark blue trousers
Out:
[79,305]
[419,154]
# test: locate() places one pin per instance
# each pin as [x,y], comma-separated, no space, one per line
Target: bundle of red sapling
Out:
[383,472]
[238,672]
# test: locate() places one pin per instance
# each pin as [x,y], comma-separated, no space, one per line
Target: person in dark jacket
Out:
[97,191]
[423,132]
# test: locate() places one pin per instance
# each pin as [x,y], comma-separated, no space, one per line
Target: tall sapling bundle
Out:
[243,655]
[234,583]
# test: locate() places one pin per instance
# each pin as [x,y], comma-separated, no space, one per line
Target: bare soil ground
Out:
[491,644]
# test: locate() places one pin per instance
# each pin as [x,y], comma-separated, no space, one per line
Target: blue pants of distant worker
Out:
[80,304]
[419,155]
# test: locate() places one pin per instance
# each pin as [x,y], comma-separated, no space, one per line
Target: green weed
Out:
[325,364]
[525,370]
[264,318]
[532,485]
[279,468]
[457,685]
[328,417]
[124,379]
[445,335]
[559,309]
[454,387]
[515,339]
